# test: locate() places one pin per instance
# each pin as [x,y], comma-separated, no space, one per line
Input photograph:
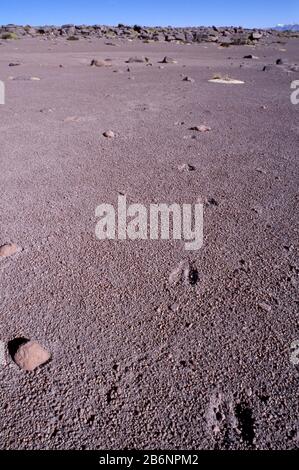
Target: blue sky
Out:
[250,13]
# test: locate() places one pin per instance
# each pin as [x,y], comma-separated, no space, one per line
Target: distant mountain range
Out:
[287,27]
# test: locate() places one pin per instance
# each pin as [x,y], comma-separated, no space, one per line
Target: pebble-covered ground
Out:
[142,344]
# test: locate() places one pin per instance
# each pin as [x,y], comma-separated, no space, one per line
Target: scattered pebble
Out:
[31,355]
[137,60]
[261,170]
[210,201]
[100,63]
[250,56]
[109,134]
[226,81]
[201,128]
[9,249]
[168,60]
[14,64]
[186,167]
[174,307]
[188,79]
[257,209]
[22,78]
[266,307]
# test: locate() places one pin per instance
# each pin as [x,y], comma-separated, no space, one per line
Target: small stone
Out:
[31,355]
[137,60]
[176,275]
[9,249]
[261,170]
[109,134]
[186,167]
[250,56]
[257,208]
[226,80]
[201,128]
[212,202]
[174,307]
[100,63]
[188,79]
[14,64]
[266,307]
[168,60]
[268,68]
[279,62]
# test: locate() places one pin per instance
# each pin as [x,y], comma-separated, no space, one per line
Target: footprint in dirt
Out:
[227,421]
[184,273]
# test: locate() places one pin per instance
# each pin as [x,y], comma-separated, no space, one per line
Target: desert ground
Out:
[138,361]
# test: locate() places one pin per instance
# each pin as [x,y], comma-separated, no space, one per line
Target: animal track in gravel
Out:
[112,394]
[186,167]
[227,421]
[185,273]
[245,419]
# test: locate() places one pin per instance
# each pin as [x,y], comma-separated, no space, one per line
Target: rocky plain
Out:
[122,344]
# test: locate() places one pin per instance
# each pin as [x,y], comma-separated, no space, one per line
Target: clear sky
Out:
[250,13]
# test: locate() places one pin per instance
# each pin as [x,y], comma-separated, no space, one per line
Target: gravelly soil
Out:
[136,361]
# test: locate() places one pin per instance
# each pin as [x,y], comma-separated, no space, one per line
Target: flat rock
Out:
[137,60]
[226,81]
[250,56]
[201,128]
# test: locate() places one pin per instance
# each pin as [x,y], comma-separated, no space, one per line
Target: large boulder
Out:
[255,36]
